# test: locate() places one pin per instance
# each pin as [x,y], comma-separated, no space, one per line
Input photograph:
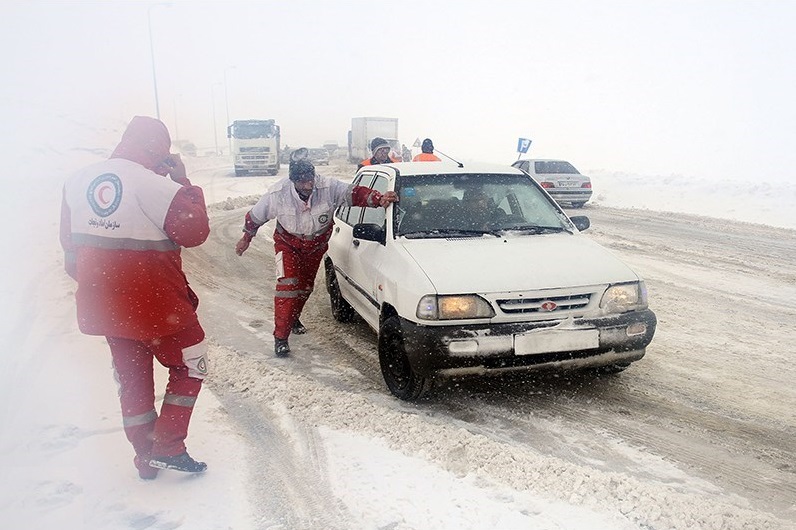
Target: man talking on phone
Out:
[123,223]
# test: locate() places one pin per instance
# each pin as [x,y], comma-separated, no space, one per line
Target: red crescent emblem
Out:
[101,194]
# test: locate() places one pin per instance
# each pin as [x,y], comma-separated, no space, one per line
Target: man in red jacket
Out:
[123,221]
[303,205]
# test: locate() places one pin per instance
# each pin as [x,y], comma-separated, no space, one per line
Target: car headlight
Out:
[453,307]
[624,297]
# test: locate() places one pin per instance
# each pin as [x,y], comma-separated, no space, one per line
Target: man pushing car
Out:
[303,206]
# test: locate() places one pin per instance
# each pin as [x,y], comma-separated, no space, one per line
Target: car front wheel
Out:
[402,381]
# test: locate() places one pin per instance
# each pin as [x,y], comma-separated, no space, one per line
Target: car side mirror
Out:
[581,222]
[369,232]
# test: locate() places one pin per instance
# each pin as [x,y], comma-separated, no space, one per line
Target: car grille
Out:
[542,305]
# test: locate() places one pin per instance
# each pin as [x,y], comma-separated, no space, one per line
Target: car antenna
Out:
[446,156]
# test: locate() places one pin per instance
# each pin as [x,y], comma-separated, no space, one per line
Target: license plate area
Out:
[555,340]
[567,183]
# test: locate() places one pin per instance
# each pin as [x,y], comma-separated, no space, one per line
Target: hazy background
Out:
[702,88]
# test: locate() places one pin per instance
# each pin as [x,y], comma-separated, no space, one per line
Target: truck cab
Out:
[255,146]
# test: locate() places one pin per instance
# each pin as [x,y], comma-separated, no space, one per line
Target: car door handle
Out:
[355,242]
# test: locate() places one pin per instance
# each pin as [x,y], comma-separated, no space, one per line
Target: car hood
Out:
[516,263]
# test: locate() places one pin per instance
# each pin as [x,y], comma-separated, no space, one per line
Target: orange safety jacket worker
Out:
[426,157]
[372,162]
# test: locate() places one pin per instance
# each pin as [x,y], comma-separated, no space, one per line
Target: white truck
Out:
[255,146]
[363,130]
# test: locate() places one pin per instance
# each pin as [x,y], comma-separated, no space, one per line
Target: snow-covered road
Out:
[699,434]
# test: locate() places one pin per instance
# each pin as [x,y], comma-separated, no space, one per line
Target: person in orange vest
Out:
[427,154]
[381,153]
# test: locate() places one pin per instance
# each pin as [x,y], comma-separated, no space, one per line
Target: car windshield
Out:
[319,153]
[473,204]
[554,167]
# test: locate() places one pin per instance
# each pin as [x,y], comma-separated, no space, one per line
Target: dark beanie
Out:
[428,146]
[378,143]
[301,170]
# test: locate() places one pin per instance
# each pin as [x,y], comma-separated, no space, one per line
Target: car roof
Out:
[445,168]
[543,160]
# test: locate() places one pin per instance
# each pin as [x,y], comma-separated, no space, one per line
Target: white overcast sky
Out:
[694,88]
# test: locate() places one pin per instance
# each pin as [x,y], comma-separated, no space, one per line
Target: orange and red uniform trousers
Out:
[151,433]
[297,261]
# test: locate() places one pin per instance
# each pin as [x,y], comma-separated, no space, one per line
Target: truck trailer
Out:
[364,129]
[255,146]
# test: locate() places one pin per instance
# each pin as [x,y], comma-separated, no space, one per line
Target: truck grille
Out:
[541,305]
[257,149]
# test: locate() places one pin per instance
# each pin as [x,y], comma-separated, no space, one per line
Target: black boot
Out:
[298,328]
[281,347]
[181,462]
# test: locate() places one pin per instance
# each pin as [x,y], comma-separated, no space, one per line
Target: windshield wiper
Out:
[448,232]
[537,229]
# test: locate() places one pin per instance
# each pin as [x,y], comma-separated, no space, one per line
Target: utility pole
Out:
[152,54]
[215,127]
[226,105]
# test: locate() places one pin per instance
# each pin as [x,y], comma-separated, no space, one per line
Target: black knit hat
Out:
[301,170]
[428,146]
[377,143]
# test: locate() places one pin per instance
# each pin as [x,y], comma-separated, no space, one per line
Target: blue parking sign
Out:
[523,144]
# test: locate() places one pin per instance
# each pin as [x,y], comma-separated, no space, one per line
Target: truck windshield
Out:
[249,130]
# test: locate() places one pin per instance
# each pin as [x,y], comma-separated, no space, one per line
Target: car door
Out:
[365,260]
[341,242]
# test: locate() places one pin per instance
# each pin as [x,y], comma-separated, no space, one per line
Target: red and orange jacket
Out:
[372,162]
[122,226]
[311,220]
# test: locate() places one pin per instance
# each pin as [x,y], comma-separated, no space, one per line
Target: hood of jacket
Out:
[146,141]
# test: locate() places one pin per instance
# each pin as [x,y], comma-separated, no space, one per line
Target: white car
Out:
[560,179]
[478,270]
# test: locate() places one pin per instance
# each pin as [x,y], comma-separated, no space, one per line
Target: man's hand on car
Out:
[388,198]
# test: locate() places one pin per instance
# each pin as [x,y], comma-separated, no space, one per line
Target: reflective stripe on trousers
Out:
[184,356]
[297,262]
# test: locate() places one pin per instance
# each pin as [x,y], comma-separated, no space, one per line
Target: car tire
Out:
[578,204]
[341,310]
[401,379]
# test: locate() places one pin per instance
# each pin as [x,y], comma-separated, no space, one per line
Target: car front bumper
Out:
[479,349]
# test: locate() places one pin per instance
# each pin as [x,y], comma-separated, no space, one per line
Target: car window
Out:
[376,215]
[554,167]
[431,205]
[355,212]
